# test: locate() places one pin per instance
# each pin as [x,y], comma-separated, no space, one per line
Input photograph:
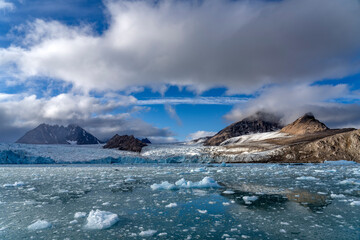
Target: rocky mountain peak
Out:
[305,125]
[55,134]
[126,143]
[257,123]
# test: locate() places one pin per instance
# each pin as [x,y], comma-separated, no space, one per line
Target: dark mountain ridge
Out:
[55,134]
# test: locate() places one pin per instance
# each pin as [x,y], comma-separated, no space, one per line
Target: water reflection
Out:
[262,197]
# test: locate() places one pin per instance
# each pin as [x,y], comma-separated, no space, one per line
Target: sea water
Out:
[245,201]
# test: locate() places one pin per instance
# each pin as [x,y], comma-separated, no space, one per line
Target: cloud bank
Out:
[19,113]
[242,45]
[291,102]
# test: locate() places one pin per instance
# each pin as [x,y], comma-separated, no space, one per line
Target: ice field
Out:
[168,201]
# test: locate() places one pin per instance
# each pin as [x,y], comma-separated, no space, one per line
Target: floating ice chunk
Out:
[337,195]
[162,234]
[350,181]
[355,203]
[16,184]
[101,219]
[198,170]
[73,222]
[202,211]
[39,225]
[206,182]
[307,178]
[340,162]
[228,192]
[80,215]
[147,233]
[250,199]
[164,185]
[171,205]
[129,180]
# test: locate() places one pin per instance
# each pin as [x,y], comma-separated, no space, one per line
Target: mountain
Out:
[304,125]
[257,123]
[306,140]
[145,140]
[55,134]
[125,143]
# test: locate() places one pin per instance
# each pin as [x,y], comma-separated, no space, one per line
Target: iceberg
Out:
[101,219]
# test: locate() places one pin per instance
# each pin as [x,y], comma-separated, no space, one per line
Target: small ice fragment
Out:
[16,184]
[282,230]
[73,221]
[337,195]
[307,178]
[355,203]
[80,215]
[202,211]
[147,233]
[250,198]
[39,225]
[228,192]
[162,234]
[198,170]
[171,205]
[206,182]
[164,185]
[128,180]
[352,181]
[101,219]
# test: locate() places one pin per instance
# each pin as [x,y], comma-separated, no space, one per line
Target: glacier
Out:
[95,154]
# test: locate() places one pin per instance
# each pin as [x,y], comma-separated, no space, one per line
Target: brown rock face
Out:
[305,125]
[258,123]
[341,146]
[125,143]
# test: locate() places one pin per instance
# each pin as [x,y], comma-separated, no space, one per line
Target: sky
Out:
[176,70]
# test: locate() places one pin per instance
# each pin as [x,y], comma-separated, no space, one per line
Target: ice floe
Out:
[352,181]
[80,215]
[163,185]
[171,205]
[39,225]
[16,184]
[307,178]
[147,233]
[206,182]
[355,203]
[250,199]
[101,219]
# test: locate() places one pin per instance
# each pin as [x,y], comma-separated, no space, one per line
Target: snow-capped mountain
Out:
[257,123]
[55,134]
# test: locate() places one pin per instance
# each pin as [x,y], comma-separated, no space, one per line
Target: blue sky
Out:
[176,70]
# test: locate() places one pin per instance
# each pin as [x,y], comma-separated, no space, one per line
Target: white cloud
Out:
[200,134]
[172,113]
[6,5]
[19,113]
[194,100]
[242,45]
[292,101]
